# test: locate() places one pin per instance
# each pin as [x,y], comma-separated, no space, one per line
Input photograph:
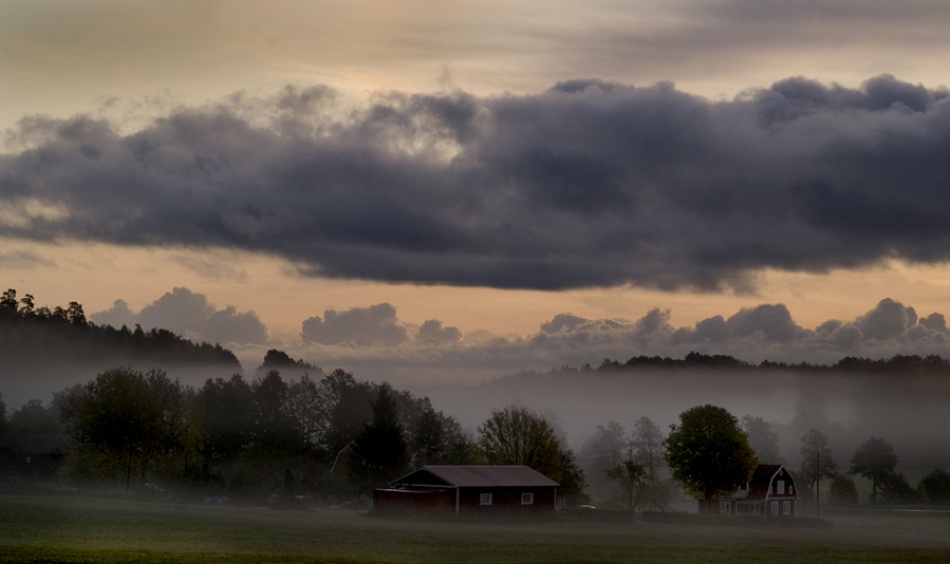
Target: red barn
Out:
[770,492]
[469,490]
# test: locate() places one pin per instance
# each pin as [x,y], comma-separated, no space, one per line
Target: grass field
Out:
[75,529]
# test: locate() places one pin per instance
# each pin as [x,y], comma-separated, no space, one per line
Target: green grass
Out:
[74,529]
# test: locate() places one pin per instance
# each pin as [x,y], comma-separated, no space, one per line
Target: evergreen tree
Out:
[380,452]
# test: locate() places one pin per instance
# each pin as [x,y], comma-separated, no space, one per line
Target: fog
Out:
[909,412]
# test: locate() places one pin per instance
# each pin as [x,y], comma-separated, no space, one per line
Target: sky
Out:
[456,190]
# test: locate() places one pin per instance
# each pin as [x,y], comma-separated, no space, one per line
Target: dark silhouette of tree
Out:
[935,487]
[33,417]
[629,476]
[429,441]
[273,426]
[709,453]
[283,363]
[3,415]
[347,408]
[843,491]
[817,459]
[131,419]
[380,452]
[227,409]
[896,489]
[874,460]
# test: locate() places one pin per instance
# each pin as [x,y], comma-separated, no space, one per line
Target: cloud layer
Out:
[588,184]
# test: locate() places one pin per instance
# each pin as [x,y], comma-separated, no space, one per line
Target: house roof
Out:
[478,476]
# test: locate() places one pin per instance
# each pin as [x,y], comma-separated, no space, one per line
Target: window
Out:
[485,499]
[527,499]
[774,508]
[786,508]
[725,507]
[781,487]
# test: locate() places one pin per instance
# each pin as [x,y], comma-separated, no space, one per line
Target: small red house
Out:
[771,492]
[469,490]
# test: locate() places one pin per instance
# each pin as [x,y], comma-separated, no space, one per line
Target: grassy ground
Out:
[73,529]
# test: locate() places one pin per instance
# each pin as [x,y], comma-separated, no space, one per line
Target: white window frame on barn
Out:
[484,499]
[725,507]
[527,498]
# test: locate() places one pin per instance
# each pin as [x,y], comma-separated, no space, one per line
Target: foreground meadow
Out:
[76,529]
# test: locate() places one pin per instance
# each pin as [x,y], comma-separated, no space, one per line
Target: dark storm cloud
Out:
[588,184]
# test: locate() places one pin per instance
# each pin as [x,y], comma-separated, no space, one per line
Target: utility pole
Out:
[818,483]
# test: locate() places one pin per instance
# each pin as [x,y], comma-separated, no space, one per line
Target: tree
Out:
[3,414]
[630,477]
[227,408]
[843,490]
[708,453]
[129,419]
[935,487]
[646,442]
[516,435]
[874,460]
[380,453]
[428,437]
[817,460]
[32,417]
[606,449]
[346,405]
[274,429]
[762,439]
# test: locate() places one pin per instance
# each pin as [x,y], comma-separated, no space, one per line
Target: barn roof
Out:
[479,476]
[758,486]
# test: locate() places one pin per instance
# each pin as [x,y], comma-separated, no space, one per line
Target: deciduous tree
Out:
[708,452]
[516,435]
[630,477]
[817,459]
[874,460]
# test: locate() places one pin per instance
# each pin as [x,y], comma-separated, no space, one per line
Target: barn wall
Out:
[507,500]
[418,502]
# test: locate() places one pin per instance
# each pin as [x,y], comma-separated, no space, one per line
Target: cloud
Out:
[117,316]
[384,351]
[433,332]
[888,320]
[180,311]
[590,183]
[188,314]
[230,326]
[372,326]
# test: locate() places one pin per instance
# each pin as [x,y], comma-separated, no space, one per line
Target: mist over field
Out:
[908,411]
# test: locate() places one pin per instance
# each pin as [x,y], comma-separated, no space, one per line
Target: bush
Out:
[843,491]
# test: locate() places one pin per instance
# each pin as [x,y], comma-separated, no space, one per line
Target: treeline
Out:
[38,335]
[245,440]
[335,437]
[897,364]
